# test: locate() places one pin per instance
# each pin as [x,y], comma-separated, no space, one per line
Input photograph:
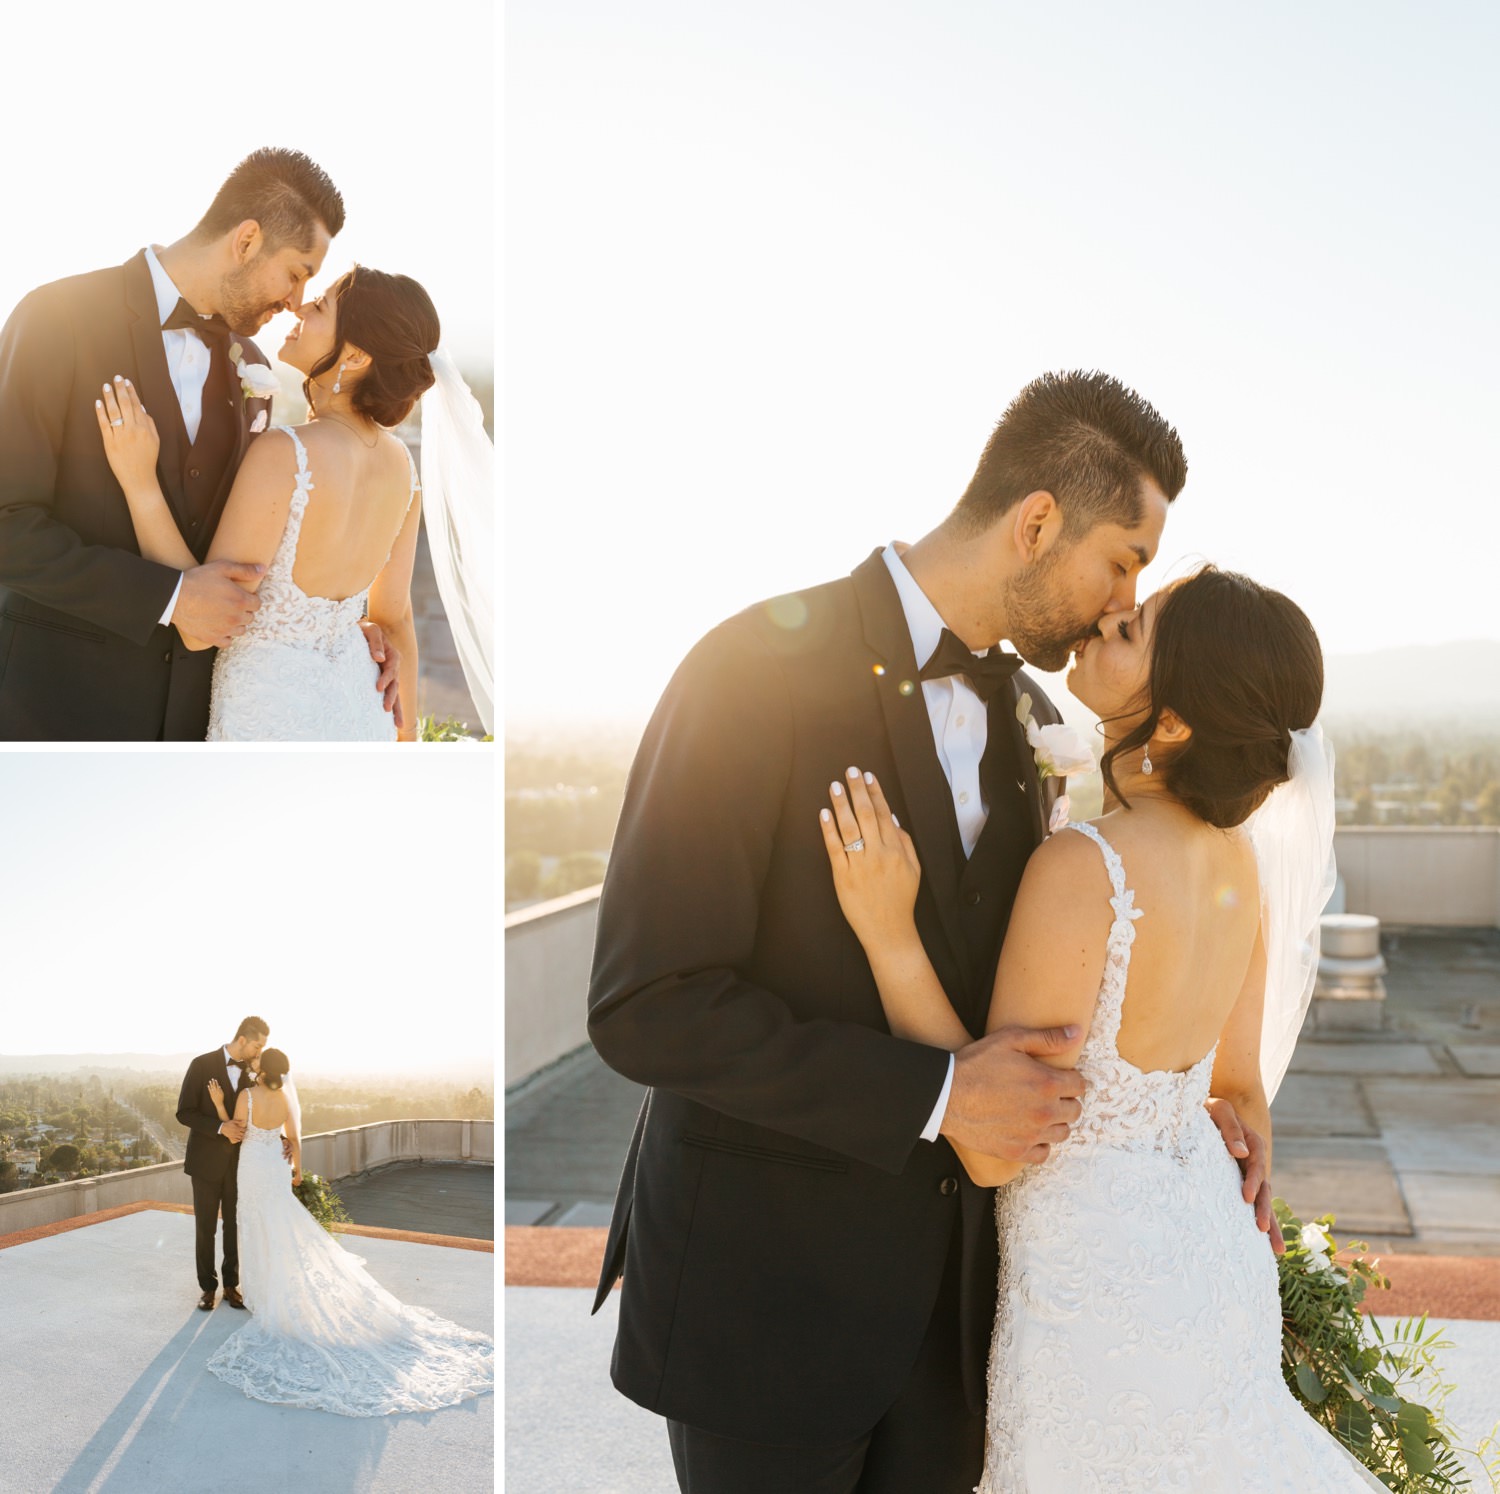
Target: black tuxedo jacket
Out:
[209,1155]
[781,1227]
[82,655]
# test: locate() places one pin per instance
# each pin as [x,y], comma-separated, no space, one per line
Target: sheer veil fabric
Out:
[458,486]
[1292,833]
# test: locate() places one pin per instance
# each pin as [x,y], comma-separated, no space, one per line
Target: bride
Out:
[1137,1343]
[331,511]
[323,1333]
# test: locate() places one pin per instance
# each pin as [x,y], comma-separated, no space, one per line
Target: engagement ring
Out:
[121,421]
[855,845]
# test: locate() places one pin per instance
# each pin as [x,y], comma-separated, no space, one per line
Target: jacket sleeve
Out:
[40,557]
[677,922]
[190,1102]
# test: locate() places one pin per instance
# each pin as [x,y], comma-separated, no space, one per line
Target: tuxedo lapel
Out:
[1038,801]
[929,800]
[155,384]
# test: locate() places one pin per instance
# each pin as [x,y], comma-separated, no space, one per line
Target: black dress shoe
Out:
[233,1298]
[206,1301]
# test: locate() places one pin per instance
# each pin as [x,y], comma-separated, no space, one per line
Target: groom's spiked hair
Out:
[284,191]
[1086,439]
[253,1027]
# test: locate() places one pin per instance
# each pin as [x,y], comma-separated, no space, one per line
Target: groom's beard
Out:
[1043,630]
[242,305]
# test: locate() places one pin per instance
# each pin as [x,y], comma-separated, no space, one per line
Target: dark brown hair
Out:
[282,190]
[253,1027]
[273,1068]
[1242,666]
[391,318]
[1086,439]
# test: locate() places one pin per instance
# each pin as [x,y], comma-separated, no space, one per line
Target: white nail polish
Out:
[825,815]
[854,772]
[869,778]
[836,789]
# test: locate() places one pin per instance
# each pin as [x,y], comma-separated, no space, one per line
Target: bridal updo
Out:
[273,1068]
[391,318]
[1242,666]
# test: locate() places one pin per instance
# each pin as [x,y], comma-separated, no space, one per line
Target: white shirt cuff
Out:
[933,1128]
[166,616]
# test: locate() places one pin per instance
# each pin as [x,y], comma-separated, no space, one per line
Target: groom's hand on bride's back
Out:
[213,606]
[1006,1102]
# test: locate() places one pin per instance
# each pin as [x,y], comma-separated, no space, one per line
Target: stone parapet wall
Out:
[1428,877]
[334,1154]
[548,951]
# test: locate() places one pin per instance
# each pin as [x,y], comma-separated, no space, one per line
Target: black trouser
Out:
[210,1197]
[928,1441]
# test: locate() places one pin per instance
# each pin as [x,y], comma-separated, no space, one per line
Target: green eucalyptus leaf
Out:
[1312,1388]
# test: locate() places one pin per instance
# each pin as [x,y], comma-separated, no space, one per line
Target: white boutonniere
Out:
[1060,752]
[256,380]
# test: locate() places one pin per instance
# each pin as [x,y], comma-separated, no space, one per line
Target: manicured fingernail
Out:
[854,772]
[825,815]
[869,778]
[119,378]
[98,404]
[895,822]
[835,789]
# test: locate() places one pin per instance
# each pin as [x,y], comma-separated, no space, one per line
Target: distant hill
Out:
[1421,684]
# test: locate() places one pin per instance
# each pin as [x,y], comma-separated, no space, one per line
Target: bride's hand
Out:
[875,868]
[130,439]
[216,1094]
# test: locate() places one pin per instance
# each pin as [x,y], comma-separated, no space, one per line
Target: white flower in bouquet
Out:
[257,380]
[1315,1242]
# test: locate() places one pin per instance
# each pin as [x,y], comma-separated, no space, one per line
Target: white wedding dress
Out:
[301,671]
[323,1333]
[1137,1343]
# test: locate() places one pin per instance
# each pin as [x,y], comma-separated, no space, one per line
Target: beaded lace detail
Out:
[1137,1341]
[323,1333]
[302,670]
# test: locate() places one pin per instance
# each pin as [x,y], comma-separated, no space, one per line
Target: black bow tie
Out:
[185,319]
[989,674]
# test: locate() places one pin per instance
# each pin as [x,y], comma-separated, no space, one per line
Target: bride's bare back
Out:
[1198,890]
[269,1110]
[359,505]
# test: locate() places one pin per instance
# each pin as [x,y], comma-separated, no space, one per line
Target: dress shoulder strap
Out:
[1106,1024]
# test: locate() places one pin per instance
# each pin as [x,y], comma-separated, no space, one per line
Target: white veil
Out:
[293,1104]
[1292,833]
[458,496]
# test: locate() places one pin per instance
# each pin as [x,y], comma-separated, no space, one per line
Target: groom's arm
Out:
[40,557]
[190,1112]
[677,922]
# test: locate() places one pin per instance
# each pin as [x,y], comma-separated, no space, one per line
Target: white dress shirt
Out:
[960,729]
[233,1066]
[187,366]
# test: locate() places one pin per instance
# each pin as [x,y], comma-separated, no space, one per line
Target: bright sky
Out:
[150,900]
[776,269]
[121,123]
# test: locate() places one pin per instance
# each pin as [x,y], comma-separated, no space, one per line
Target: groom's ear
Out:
[1036,526]
[245,241]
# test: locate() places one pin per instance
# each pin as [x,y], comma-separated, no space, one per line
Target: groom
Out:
[809,1274]
[213,1152]
[90,633]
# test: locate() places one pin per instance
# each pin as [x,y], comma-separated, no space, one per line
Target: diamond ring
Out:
[855,845]
[117,422]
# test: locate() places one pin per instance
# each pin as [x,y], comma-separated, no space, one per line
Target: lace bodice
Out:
[1137,1342]
[289,614]
[1126,1106]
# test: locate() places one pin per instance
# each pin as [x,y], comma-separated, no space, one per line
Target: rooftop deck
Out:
[103,1384]
[1396,1132]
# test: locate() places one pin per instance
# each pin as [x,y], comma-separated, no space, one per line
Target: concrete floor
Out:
[427,1197]
[103,1385]
[568,1431]
[1396,1132]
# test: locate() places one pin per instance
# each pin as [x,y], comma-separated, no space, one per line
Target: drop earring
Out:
[1146,767]
[338,379]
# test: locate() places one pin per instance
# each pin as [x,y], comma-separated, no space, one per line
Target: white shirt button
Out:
[963,797]
[958,720]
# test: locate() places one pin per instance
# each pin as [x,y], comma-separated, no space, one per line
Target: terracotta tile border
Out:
[369,1231]
[1443,1286]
